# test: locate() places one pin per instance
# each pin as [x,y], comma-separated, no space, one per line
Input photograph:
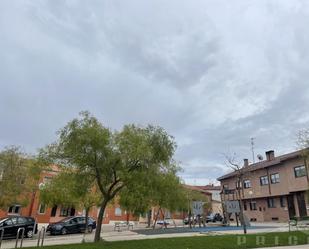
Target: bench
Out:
[123,224]
[299,223]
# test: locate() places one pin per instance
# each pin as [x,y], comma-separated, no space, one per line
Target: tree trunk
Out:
[199,221]
[128,218]
[86,219]
[149,218]
[97,235]
[163,215]
[190,220]
[241,213]
[156,218]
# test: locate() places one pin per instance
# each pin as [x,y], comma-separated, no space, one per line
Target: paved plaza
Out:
[140,232]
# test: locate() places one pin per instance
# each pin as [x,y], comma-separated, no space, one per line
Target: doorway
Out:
[301,204]
[291,206]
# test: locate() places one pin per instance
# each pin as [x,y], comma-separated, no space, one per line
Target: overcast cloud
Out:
[213,73]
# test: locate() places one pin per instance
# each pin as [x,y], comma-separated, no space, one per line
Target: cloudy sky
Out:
[213,73]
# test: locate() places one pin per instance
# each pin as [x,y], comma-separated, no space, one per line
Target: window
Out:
[81,220]
[245,206]
[118,211]
[271,203]
[282,201]
[22,220]
[247,184]
[264,180]
[53,211]
[67,211]
[225,186]
[274,178]
[42,209]
[9,222]
[64,211]
[14,209]
[14,220]
[253,205]
[238,184]
[300,171]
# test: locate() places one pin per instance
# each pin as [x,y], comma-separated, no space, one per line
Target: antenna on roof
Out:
[260,157]
[252,149]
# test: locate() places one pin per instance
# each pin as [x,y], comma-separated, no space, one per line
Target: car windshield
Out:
[65,219]
[2,219]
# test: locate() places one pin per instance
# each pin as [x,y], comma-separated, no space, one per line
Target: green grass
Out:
[200,242]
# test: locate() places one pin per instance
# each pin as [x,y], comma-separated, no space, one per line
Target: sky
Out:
[213,73]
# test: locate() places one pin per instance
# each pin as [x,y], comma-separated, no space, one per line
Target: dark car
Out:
[11,224]
[76,224]
[214,217]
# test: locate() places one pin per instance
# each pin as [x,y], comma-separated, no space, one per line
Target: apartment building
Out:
[44,214]
[216,205]
[275,189]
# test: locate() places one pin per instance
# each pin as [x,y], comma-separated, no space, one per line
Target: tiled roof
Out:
[197,188]
[266,163]
[209,187]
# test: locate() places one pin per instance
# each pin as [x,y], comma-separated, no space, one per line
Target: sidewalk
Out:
[109,234]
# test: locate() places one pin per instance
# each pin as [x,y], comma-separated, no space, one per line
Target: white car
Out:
[164,222]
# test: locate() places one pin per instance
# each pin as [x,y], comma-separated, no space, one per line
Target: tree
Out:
[70,189]
[192,195]
[163,190]
[19,176]
[113,160]
[240,172]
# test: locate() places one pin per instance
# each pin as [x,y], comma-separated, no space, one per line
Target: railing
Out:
[1,236]
[22,230]
[41,237]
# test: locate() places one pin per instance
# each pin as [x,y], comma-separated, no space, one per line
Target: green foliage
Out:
[19,176]
[113,161]
[69,188]
[163,189]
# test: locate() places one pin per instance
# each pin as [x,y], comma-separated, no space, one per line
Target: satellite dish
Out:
[260,157]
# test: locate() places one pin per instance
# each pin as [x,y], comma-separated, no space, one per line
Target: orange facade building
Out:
[45,214]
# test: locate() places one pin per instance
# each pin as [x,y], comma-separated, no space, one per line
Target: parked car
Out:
[214,217]
[76,224]
[193,219]
[11,224]
[164,222]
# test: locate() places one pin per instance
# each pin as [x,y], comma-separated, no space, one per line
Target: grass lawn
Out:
[201,242]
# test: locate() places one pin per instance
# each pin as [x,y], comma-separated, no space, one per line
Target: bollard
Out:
[34,228]
[22,230]
[1,235]
[41,237]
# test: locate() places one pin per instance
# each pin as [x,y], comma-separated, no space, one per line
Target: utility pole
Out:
[252,149]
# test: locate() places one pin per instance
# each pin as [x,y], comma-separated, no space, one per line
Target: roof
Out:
[209,187]
[266,163]
[197,188]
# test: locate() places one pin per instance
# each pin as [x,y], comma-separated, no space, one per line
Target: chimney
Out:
[246,162]
[270,155]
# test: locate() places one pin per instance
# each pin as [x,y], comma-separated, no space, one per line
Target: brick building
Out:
[44,214]
[274,189]
[213,193]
